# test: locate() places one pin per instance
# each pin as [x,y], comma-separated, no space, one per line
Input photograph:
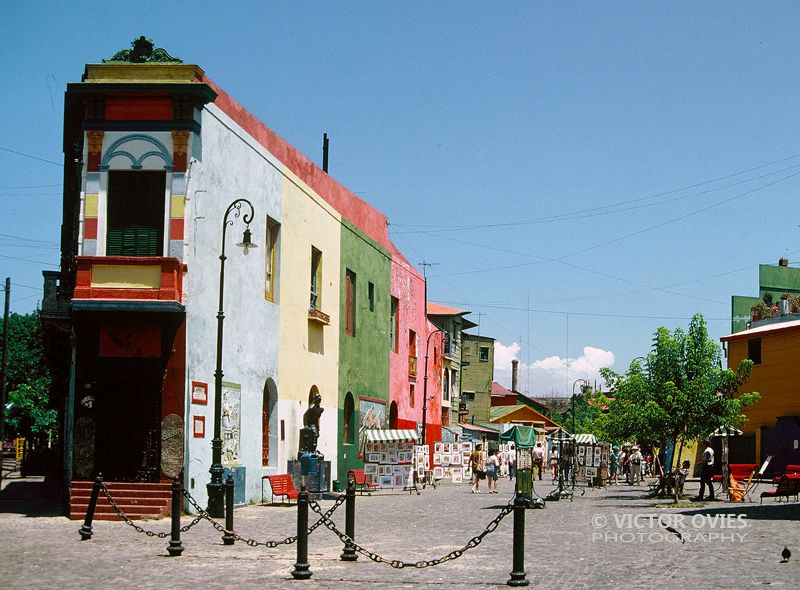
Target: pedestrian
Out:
[512,465]
[648,464]
[477,463]
[492,470]
[613,465]
[634,466]
[538,458]
[623,462]
[554,462]
[705,472]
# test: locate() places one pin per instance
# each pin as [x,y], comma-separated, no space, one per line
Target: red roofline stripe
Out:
[364,216]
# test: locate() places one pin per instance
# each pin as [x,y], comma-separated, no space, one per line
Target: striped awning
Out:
[390,435]
[727,431]
[585,439]
[561,435]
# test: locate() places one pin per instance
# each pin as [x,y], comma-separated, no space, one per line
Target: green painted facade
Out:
[477,377]
[364,354]
[773,279]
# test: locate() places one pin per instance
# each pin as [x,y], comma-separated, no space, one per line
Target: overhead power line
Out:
[31,157]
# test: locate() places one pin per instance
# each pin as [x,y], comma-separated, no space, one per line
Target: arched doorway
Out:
[269,419]
[393,415]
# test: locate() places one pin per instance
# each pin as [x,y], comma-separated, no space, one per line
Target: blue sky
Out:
[579,173]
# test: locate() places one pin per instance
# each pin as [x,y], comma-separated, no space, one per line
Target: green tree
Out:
[28,381]
[680,393]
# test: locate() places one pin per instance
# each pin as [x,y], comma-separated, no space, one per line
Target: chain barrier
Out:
[399,564]
[202,514]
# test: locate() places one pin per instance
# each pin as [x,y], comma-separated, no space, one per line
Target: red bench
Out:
[281,485]
[789,485]
[790,469]
[360,481]
[739,471]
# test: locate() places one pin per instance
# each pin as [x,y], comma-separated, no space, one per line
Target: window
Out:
[468,396]
[349,420]
[350,302]
[484,356]
[446,385]
[371,295]
[445,416]
[754,350]
[411,395]
[412,353]
[316,278]
[136,213]
[393,324]
[447,341]
[269,275]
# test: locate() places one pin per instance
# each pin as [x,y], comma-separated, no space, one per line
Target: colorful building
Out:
[476,380]
[773,423]
[156,156]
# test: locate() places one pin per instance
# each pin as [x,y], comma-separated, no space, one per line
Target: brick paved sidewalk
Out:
[606,538]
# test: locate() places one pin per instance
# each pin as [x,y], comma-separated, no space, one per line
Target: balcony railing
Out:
[141,278]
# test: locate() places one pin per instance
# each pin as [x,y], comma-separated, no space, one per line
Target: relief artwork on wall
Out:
[231,422]
[199,393]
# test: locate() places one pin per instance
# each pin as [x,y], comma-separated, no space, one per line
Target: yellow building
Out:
[773,424]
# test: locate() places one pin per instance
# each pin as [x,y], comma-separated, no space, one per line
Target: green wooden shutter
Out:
[135,213]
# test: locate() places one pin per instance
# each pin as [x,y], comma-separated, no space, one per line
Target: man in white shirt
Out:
[538,458]
[705,473]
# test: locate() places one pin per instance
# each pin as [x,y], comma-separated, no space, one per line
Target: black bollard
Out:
[228,537]
[175,547]
[349,553]
[86,529]
[301,567]
[518,573]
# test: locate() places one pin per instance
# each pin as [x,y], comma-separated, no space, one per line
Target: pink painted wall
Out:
[408,286]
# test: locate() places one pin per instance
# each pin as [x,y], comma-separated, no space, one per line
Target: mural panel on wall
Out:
[371,415]
[231,423]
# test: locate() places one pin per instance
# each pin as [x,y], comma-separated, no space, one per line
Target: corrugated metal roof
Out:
[779,326]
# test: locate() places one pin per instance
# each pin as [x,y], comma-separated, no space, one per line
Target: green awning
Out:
[523,436]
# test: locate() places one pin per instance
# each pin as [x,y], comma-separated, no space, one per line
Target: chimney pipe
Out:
[325,152]
[514,374]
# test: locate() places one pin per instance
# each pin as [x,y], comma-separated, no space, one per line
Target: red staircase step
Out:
[137,500]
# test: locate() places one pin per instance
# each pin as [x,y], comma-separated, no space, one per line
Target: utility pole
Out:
[4,374]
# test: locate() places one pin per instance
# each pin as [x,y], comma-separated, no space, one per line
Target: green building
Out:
[773,282]
[477,360]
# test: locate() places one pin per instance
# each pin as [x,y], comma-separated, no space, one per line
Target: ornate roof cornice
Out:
[143,52]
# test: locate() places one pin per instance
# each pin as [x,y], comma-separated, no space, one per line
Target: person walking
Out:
[538,458]
[512,465]
[705,472]
[477,463]
[554,462]
[635,466]
[492,471]
[613,465]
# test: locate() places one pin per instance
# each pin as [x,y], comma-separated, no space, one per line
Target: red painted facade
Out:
[171,287]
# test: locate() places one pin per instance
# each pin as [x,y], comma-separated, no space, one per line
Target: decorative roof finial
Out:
[143,52]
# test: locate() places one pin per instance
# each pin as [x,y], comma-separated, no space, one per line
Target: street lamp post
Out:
[425,383]
[216,499]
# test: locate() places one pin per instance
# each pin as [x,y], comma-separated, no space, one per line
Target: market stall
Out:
[592,460]
[390,458]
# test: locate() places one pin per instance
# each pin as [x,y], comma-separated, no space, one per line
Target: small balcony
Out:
[146,279]
[54,301]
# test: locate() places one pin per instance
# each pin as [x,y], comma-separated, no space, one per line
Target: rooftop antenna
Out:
[425,266]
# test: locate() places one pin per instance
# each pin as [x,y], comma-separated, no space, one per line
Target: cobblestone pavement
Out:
[605,538]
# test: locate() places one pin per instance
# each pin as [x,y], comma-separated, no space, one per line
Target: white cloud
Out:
[551,375]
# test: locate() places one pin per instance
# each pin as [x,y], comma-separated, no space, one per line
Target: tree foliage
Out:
[28,381]
[680,393]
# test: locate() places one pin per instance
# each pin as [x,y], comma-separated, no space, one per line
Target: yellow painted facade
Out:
[776,378]
[126,277]
[144,72]
[309,350]
[90,206]
[177,206]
